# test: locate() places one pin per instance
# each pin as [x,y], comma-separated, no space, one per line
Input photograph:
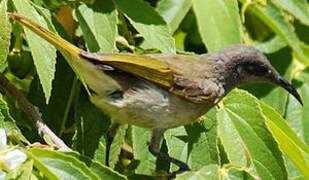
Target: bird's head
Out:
[250,65]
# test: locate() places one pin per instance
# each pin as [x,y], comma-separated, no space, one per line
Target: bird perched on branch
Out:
[162,91]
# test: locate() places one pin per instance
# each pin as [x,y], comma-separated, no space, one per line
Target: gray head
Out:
[247,64]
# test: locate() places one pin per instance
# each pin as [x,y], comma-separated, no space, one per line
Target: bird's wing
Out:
[160,70]
[145,67]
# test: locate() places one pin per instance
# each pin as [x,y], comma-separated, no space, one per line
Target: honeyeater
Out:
[162,91]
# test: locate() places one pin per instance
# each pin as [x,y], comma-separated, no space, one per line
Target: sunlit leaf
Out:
[44,54]
[287,139]
[173,11]
[298,8]
[217,20]
[272,16]
[99,25]
[5,33]
[245,136]
[148,23]
[64,166]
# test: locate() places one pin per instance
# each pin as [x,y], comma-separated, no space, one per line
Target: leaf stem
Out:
[32,112]
[69,103]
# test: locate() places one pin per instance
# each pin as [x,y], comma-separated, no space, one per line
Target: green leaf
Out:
[148,23]
[203,142]
[287,139]
[272,16]
[42,167]
[92,125]
[44,54]
[5,33]
[206,172]
[115,147]
[189,142]
[99,25]
[22,172]
[237,174]
[245,136]
[177,143]
[173,11]
[103,171]
[271,45]
[297,8]
[56,111]
[141,138]
[217,20]
[296,115]
[302,31]
[7,122]
[64,166]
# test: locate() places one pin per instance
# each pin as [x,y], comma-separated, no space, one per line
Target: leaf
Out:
[173,11]
[22,172]
[5,33]
[237,174]
[287,139]
[103,171]
[64,166]
[297,8]
[41,167]
[296,115]
[302,31]
[99,25]
[272,16]
[92,125]
[148,23]
[147,164]
[55,113]
[189,142]
[245,136]
[207,172]
[115,147]
[293,171]
[44,54]
[272,45]
[203,142]
[7,122]
[177,143]
[217,20]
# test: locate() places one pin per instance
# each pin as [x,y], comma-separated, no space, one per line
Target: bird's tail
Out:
[61,44]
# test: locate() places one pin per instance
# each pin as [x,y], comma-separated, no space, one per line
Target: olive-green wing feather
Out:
[145,67]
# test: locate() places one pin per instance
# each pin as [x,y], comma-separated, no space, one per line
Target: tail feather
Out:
[61,44]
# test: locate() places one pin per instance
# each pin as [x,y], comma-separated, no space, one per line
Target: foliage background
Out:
[246,137]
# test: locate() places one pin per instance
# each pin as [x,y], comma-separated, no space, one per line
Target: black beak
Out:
[286,85]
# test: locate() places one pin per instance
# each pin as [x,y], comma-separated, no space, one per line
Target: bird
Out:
[162,91]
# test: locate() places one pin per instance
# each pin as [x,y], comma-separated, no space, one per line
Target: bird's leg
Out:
[109,137]
[154,149]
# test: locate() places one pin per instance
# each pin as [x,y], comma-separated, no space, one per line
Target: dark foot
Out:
[109,137]
[154,150]
[182,166]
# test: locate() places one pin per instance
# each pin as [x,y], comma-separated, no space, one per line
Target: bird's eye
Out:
[255,69]
[250,69]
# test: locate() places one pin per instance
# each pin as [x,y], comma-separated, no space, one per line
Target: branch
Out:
[32,113]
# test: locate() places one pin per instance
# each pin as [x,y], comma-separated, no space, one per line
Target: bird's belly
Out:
[149,106]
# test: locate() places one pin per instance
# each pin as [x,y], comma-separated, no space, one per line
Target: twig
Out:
[32,112]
